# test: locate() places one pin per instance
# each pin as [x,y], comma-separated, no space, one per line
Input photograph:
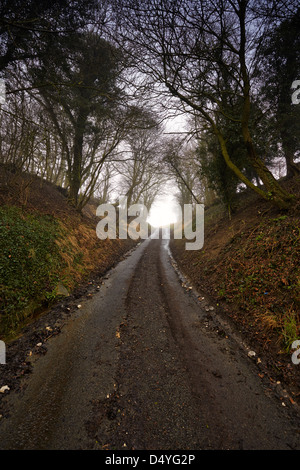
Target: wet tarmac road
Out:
[143,366]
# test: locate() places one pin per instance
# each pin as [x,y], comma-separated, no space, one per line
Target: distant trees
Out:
[184,169]
[141,171]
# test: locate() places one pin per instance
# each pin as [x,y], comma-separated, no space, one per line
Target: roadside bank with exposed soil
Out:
[250,267]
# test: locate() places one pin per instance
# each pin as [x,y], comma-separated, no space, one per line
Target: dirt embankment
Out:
[58,262]
[249,266]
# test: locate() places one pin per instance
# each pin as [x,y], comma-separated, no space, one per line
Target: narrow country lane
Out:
[142,366]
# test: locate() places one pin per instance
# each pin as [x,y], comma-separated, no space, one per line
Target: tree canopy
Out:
[89,85]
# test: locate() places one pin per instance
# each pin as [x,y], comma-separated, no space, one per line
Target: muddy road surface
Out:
[143,365]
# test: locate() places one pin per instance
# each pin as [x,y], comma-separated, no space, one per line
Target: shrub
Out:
[29,264]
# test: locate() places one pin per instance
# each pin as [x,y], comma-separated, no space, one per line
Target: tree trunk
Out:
[76,166]
[273,190]
[292,168]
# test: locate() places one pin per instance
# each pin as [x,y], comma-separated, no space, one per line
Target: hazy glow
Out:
[163,213]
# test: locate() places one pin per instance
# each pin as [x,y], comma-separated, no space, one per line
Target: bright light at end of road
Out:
[163,214]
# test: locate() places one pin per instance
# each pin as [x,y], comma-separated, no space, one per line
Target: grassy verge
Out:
[30,265]
[261,274]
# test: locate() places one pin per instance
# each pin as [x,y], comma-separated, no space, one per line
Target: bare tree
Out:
[182,163]
[206,54]
[142,175]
